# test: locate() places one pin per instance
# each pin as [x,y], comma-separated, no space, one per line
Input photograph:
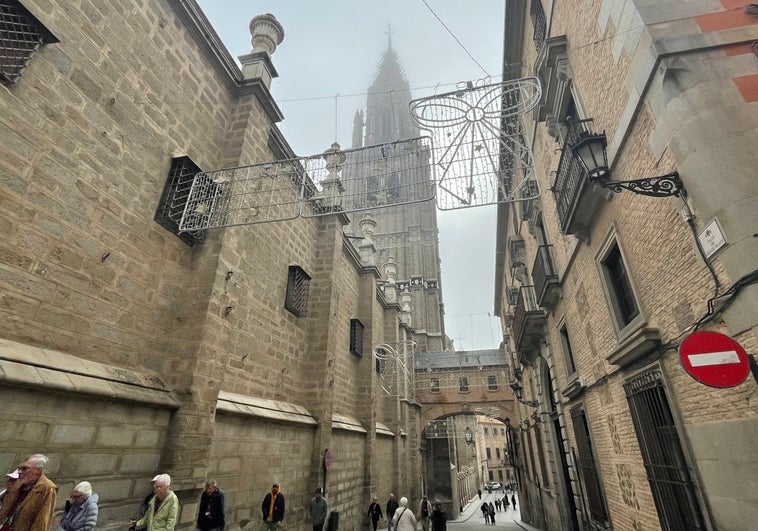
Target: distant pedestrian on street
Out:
[424,512]
[210,517]
[479,492]
[486,512]
[492,513]
[513,500]
[404,519]
[81,512]
[272,509]
[163,508]
[375,512]
[392,506]
[505,503]
[317,510]
[439,517]
[497,504]
[30,504]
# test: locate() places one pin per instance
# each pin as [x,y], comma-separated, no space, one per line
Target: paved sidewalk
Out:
[471,518]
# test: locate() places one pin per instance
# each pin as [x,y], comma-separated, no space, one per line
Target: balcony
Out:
[576,197]
[528,325]
[545,277]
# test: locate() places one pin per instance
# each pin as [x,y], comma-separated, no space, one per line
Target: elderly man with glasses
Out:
[163,507]
[30,505]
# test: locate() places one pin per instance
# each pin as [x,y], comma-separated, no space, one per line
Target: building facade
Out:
[407,236]
[130,347]
[597,290]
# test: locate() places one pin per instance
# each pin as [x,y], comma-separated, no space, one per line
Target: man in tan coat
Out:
[30,505]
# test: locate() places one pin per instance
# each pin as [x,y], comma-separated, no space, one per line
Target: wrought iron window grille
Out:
[298,287]
[21,36]
[539,21]
[174,197]
[356,337]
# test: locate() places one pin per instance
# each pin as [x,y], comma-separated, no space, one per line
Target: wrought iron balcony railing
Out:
[528,323]
[545,277]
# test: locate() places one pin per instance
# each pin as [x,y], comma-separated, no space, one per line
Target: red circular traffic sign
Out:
[714,359]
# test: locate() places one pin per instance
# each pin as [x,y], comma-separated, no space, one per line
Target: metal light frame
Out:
[590,151]
[518,392]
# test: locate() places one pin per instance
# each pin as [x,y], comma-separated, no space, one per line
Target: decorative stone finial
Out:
[367,225]
[267,33]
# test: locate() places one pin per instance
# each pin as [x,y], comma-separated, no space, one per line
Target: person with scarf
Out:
[272,509]
[82,513]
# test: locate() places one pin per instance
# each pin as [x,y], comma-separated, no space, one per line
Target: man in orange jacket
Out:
[30,505]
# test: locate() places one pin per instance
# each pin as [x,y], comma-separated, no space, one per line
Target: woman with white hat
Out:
[82,515]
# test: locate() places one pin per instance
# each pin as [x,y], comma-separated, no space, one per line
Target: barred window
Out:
[463,384]
[539,22]
[356,337]
[492,383]
[21,35]
[435,385]
[298,286]
[176,193]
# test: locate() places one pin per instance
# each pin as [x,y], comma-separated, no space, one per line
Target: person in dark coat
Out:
[210,517]
[486,512]
[439,517]
[392,506]
[513,500]
[375,512]
[272,509]
[492,513]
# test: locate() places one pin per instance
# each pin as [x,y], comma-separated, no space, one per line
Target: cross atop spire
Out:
[389,33]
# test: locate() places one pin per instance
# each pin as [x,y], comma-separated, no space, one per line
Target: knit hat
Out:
[84,488]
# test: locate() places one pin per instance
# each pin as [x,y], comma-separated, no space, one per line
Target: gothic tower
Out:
[406,234]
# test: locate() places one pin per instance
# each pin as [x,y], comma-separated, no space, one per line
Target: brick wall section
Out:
[88,134]
[671,281]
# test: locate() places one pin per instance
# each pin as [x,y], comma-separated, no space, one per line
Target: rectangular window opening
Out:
[21,36]
[435,385]
[620,287]
[356,337]
[568,353]
[298,286]
[463,384]
[492,383]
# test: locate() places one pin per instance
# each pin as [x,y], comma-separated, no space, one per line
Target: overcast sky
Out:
[326,63]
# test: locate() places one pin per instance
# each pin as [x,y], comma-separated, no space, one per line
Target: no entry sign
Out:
[714,359]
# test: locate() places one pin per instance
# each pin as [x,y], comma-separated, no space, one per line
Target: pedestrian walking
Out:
[505,503]
[497,504]
[272,509]
[479,492]
[375,512]
[392,506]
[439,517]
[513,501]
[30,504]
[492,513]
[163,507]
[317,510]
[81,512]
[486,512]
[404,519]
[424,512]
[210,516]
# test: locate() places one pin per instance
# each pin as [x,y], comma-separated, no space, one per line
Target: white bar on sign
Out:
[714,358]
